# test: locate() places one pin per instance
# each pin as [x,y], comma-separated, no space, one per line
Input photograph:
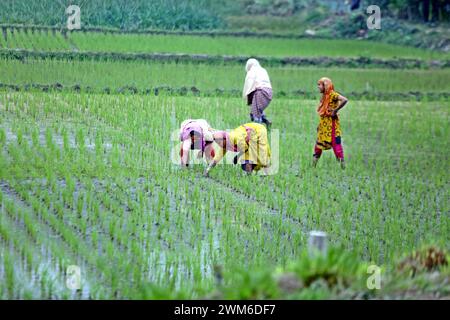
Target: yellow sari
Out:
[250,138]
[325,128]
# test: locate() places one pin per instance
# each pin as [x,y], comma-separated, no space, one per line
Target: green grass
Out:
[94,171]
[141,14]
[219,45]
[39,40]
[246,46]
[87,179]
[145,75]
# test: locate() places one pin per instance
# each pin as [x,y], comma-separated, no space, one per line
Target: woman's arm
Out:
[211,165]
[236,157]
[220,154]
[209,152]
[184,152]
[342,102]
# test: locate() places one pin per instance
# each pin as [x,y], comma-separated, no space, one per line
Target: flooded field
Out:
[87,180]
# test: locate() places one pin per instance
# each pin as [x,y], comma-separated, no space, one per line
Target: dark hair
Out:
[244,165]
[192,134]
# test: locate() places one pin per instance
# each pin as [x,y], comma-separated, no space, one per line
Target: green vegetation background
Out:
[407,22]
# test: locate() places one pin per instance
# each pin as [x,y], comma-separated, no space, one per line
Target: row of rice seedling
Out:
[68,205]
[392,160]
[113,196]
[53,202]
[218,45]
[204,78]
[46,259]
[37,40]
[245,46]
[64,212]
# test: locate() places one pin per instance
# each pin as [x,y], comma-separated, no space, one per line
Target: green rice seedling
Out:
[242,46]
[232,220]
[2,136]
[9,274]
[287,80]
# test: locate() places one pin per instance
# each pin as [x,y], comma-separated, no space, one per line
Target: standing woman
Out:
[250,141]
[329,129]
[257,91]
[196,134]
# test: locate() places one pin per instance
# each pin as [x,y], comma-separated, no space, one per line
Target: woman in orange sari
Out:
[329,129]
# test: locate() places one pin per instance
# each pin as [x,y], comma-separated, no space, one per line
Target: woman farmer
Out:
[196,134]
[329,129]
[257,91]
[250,140]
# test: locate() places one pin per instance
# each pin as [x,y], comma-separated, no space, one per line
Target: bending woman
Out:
[329,129]
[257,91]
[196,134]
[250,141]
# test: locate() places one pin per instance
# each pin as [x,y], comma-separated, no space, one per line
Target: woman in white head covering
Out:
[257,91]
[196,134]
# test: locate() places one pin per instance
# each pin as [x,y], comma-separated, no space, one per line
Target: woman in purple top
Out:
[196,134]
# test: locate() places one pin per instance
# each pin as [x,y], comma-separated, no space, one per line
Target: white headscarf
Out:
[257,77]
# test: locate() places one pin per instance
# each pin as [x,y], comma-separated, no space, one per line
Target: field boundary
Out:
[210,33]
[218,92]
[359,62]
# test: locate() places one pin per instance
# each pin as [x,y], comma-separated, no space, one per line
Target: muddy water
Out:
[57,139]
[190,251]
[46,279]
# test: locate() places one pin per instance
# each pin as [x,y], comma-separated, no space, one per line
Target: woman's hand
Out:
[206,172]
[236,157]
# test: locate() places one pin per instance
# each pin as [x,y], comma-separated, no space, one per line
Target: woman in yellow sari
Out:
[329,129]
[249,140]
